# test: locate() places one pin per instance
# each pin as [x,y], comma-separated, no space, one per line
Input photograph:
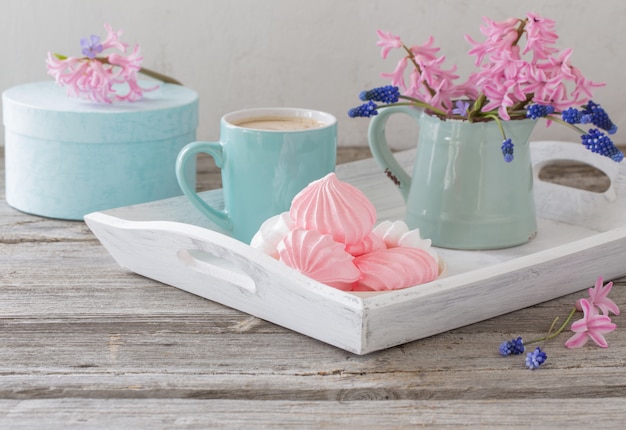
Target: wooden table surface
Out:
[85,344]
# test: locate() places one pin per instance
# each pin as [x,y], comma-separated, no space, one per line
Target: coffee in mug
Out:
[280,123]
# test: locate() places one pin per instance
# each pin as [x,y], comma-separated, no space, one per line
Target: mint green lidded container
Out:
[67,157]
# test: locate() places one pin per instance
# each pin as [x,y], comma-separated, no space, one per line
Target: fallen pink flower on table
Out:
[598,297]
[592,326]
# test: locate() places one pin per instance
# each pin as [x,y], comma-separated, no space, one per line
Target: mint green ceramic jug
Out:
[462,194]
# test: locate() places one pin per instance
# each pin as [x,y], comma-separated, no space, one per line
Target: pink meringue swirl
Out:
[395,268]
[319,257]
[333,207]
[370,243]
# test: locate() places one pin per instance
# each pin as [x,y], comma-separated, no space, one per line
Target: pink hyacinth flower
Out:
[397,76]
[98,78]
[540,36]
[112,40]
[426,52]
[591,326]
[499,37]
[499,98]
[388,42]
[598,298]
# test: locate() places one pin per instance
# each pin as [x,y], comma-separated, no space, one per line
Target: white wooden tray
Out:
[582,235]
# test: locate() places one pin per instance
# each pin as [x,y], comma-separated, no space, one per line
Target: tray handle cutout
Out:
[544,153]
[216,267]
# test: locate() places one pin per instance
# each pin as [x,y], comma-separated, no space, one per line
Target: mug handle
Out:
[215,150]
[380,148]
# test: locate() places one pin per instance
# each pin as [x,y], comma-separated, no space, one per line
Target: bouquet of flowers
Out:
[93,76]
[520,74]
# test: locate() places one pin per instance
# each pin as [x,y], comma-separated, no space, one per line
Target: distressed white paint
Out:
[579,232]
[317,54]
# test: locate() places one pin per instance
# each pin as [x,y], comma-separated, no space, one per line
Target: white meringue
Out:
[271,232]
[412,239]
[319,257]
[391,232]
[397,234]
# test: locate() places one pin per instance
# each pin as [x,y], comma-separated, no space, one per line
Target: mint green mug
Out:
[266,156]
[461,193]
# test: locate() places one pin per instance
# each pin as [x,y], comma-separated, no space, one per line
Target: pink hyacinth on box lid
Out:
[333,207]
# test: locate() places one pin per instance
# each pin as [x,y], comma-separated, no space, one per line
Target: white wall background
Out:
[317,54]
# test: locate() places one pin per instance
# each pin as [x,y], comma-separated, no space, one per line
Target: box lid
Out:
[44,110]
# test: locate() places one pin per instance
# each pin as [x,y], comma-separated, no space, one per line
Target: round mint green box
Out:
[67,157]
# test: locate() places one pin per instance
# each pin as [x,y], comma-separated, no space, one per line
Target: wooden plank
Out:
[357,414]
[134,360]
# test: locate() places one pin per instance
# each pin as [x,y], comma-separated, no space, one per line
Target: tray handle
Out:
[596,210]
[545,152]
[218,268]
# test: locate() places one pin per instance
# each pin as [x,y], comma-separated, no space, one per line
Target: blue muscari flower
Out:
[514,346]
[572,115]
[535,359]
[598,142]
[507,150]
[585,118]
[592,113]
[365,110]
[505,348]
[599,117]
[537,111]
[386,94]
[518,346]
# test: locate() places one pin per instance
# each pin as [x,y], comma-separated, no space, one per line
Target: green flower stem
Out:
[415,102]
[156,75]
[519,106]
[159,76]
[476,107]
[554,118]
[497,120]
[560,121]
[556,333]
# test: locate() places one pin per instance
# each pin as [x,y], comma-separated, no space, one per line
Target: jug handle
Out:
[380,148]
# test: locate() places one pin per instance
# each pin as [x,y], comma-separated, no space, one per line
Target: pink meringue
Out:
[395,268]
[319,257]
[333,207]
[370,243]
[329,235]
